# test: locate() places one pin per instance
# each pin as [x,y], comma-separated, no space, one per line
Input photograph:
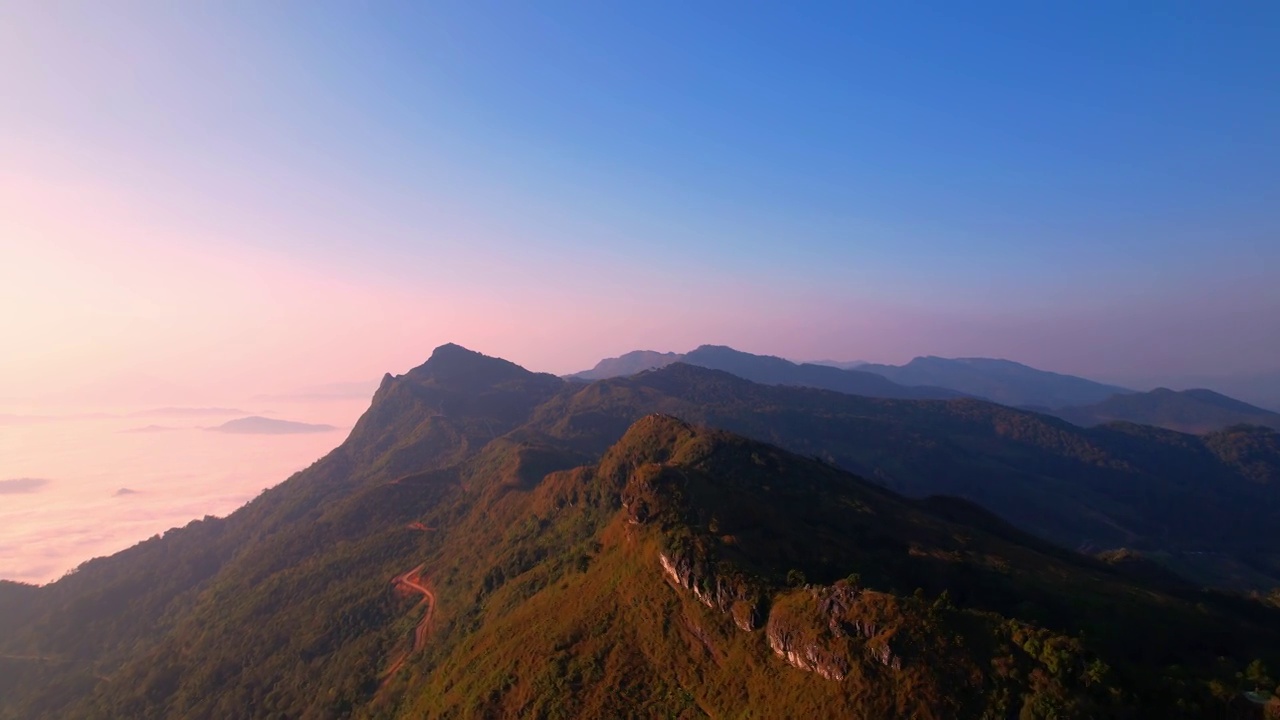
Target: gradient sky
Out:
[265,196]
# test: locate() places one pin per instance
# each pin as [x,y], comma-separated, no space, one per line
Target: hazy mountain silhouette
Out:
[628,364]
[567,549]
[1261,389]
[765,369]
[22,485]
[1002,381]
[1193,411]
[258,425]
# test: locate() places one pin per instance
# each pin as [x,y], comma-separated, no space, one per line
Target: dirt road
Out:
[413,582]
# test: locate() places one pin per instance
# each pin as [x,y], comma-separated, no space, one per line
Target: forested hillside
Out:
[494,542]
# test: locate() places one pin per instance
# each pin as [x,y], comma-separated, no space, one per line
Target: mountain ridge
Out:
[1004,381]
[684,571]
[767,369]
[508,489]
[1194,411]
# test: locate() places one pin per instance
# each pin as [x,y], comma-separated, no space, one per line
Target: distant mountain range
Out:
[1261,389]
[768,370]
[628,364]
[492,542]
[1192,411]
[1002,381]
[1075,399]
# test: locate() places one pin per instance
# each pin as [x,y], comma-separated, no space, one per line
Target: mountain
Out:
[776,371]
[1157,491]
[258,425]
[1192,411]
[681,572]
[1080,401]
[764,369]
[490,542]
[628,364]
[22,485]
[1002,381]
[1259,388]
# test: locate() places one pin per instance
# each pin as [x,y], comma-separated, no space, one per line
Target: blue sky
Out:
[1085,186]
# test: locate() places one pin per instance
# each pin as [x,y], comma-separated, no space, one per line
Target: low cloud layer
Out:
[20,486]
[136,484]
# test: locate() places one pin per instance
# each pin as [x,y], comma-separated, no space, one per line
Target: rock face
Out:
[827,630]
[824,630]
[730,596]
[806,654]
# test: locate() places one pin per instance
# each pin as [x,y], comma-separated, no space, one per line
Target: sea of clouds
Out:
[79,485]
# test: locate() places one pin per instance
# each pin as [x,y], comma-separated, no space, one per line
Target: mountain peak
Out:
[655,439]
[454,363]
[657,425]
[450,351]
[628,364]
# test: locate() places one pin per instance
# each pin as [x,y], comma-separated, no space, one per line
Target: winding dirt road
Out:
[413,582]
